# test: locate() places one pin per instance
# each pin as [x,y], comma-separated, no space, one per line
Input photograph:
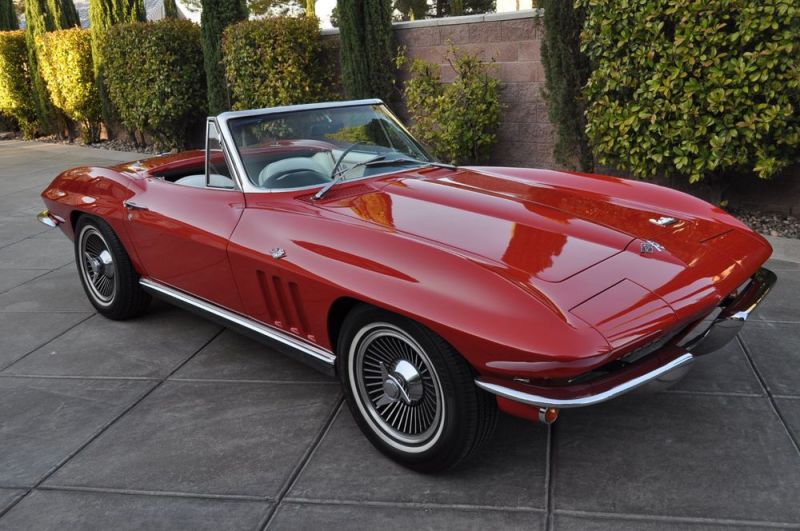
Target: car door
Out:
[181,234]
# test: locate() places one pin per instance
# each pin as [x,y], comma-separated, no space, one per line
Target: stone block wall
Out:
[512,40]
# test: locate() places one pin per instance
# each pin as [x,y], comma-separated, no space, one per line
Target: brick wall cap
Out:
[452,21]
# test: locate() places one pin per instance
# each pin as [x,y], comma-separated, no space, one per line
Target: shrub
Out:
[275,61]
[15,83]
[458,121]
[366,48]
[696,88]
[102,15]
[8,16]
[154,76]
[42,16]
[218,15]
[65,60]
[566,70]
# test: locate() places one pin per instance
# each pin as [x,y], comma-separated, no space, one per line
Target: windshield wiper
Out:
[380,160]
[409,160]
[339,175]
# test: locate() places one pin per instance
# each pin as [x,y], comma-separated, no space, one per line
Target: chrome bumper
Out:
[656,371]
[49,219]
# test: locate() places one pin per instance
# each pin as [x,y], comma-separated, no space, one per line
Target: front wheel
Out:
[108,277]
[411,393]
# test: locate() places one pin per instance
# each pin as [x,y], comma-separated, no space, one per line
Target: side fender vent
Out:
[283,303]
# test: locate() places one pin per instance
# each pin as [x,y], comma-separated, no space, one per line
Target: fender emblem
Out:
[650,247]
[277,252]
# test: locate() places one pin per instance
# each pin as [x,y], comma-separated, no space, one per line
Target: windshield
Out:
[302,148]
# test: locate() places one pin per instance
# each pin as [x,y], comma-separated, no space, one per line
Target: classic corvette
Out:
[439,295]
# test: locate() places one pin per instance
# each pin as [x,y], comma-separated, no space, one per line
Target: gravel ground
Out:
[115,145]
[770,224]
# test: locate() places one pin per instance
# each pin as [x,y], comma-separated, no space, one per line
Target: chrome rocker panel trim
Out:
[317,357]
[735,310]
[681,363]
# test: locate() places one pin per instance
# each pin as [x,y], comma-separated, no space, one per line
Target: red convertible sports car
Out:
[437,294]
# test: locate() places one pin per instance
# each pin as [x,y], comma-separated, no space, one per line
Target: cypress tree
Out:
[366,48]
[170,9]
[216,16]
[8,16]
[42,16]
[102,15]
[567,70]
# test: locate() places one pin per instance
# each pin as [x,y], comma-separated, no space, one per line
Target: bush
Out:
[65,60]
[695,88]
[155,79]
[15,83]
[457,121]
[276,61]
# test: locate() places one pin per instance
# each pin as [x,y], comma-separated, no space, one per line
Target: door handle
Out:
[130,205]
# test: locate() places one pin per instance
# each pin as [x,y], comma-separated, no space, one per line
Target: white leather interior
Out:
[199,181]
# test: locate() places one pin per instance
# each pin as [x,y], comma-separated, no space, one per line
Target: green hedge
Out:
[65,60]
[155,78]
[15,83]
[457,121]
[276,61]
[697,88]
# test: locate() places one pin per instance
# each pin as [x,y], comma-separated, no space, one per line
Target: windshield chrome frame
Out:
[230,146]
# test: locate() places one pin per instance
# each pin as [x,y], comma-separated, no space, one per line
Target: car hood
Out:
[538,228]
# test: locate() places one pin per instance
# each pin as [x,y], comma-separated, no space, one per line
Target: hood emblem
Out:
[650,247]
[664,221]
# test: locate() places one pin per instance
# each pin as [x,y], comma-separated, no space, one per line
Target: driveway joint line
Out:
[59,268]
[78,377]
[9,365]
[414,505]
[549,476]
[302,463]
[771,398]
[105,427]
[715,393]
[154,493]
[245,381]
[682,519]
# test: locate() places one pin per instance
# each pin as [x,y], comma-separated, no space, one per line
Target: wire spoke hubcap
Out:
[397,385]
[97,265]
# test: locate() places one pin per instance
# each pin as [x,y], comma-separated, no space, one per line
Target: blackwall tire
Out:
[108,277]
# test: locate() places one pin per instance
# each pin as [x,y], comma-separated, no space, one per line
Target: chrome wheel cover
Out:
[97,267]
[396,387]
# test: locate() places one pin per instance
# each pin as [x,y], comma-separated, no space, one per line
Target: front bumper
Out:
[655,371]
[51,220]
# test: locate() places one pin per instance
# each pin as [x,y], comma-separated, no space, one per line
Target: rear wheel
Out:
[108,277]
[411,393]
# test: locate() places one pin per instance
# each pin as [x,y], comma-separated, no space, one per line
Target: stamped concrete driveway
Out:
[170,422]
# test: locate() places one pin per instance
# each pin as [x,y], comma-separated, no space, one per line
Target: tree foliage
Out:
[103,14]
[216,16]
[567,70]
[42,16]
[154,73]
[170,9]
[8,16]
[15,83]
[65,60]
[696,88]
[459,120]
[276,61]
[366,48]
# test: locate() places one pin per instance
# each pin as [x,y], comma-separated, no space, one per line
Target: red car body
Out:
[536,277]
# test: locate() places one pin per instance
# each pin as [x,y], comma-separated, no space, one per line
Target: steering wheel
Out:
[295,178]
